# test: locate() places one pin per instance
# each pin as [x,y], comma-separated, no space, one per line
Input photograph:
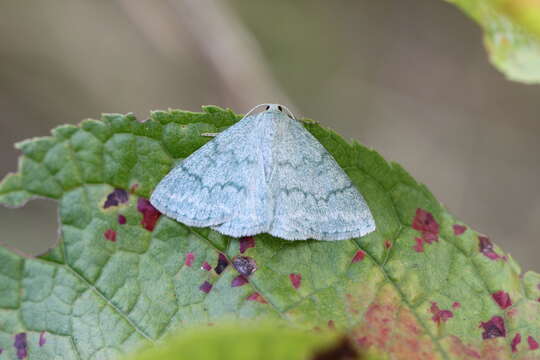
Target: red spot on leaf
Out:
[363,341]
[430,238]
[117,197]
[387,244]
[110,235]
[21,345]
[358,256]
[150,214]
[331,324]
[239,281]
[244,265]
[493,328]
[456,305]
[486,248]
[440,315]
[246,243]
[189,259]
[42,339]
[133,188]
[392,329]
[459,229]
[419,247]
[533,344]
[257,297]
[296,280]
[122,219]
[221,264]
[515,342]
[206,266]
[427,225]
[205,287]
[502,299]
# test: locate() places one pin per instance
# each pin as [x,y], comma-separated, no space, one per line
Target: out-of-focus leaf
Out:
[248,341]
[423,286]
[524,12]
[511,34]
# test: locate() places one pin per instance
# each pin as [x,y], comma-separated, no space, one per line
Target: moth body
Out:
[265,174]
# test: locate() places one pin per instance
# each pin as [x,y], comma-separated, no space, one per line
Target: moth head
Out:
[279,108]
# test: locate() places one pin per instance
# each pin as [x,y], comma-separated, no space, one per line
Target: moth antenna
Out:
[253,109]
[289,112]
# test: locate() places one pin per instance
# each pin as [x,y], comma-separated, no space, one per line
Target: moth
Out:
[265,174]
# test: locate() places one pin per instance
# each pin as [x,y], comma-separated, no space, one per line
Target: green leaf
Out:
[248,341]
[121,277]
[524,12]
[511,35]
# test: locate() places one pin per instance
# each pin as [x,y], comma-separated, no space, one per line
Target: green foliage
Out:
[524,12]
[246,341]
[511,34]
[419,287]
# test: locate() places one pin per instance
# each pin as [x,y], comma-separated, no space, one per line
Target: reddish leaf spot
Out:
[239,281]
[122,219]
[205,287]
[133,188]
[502,299]
[206,266]
[459,229]
[363,341]
[246,243]
[533,344]
[189,259]
[244,265]
[358,256]
[117,197]
[150,214]
[21,345]
[426,224]
[331,324]
[515,342]
[486,248]
[419,247]
[493,328]
[430,238]
[440,315]
[222,264]
[296,280]
[538,299]
[387,244]
[456,305]
[512,312]
[110,235]
[42,339]
[257,297]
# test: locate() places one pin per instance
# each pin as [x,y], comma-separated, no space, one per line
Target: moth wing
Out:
[207,187]
[313,197]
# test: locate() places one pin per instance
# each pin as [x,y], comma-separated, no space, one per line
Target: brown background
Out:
[408,78]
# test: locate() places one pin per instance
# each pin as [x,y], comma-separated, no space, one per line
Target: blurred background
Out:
[408,78]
